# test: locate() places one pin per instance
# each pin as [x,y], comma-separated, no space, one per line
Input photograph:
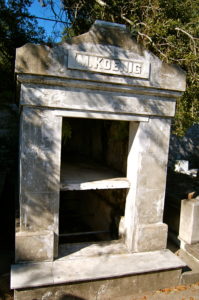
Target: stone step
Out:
[81,269]
[191,274]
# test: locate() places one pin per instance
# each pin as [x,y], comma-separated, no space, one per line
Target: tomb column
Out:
[146,170]
[40,146]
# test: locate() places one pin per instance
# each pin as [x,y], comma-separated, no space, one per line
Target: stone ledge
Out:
[102,84]
[80,99]
[92,268]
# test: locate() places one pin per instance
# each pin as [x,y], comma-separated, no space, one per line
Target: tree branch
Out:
[190,36]
[127,20]
[100,2]
[145,35]
[154,45]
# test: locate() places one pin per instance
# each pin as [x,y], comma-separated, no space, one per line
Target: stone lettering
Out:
[115,65]
[137,68]
[98,63]
[83,60]
[125,66]
[130,68]
[107,64]
[95,63]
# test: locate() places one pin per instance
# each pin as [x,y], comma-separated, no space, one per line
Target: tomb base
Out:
[111,288]
[96,277]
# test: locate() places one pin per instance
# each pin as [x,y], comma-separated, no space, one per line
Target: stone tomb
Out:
[94,136]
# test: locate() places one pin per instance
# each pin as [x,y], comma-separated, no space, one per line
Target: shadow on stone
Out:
[65,297]
[70,297]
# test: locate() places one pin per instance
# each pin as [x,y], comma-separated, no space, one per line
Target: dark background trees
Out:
[16,29]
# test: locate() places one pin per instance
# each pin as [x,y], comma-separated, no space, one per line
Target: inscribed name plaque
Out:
[111,65]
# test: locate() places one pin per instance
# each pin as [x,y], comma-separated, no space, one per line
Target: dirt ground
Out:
[182,292]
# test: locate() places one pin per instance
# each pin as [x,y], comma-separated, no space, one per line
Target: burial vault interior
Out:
[93,164]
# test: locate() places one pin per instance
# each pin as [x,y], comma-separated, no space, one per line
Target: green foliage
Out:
[170,29]
[16,29]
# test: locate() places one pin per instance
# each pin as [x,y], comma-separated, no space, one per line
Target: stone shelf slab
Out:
[81,269]
[85,176]
[86,249]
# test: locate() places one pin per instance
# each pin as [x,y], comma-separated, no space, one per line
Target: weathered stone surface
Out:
[104,116]
[83,250]
[146,171]
[37,211]
[39,171]
[93,100]
[189,221]
[95,267]
[116,288]
[84,176]
[40,148]
[34,246]
[151,237]
[193,250]
[191,275]
[105,84]
[106,42]
[36,275]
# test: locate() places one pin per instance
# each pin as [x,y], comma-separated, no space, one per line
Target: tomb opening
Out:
[93,179]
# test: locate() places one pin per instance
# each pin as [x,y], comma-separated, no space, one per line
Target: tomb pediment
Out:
[105,53]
